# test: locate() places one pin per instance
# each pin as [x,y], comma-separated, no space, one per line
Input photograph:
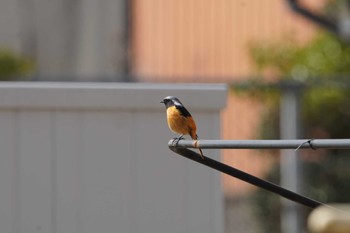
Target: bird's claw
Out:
[176,140]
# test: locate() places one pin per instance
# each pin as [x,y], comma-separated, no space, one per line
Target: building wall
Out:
[206,40]
[68,40]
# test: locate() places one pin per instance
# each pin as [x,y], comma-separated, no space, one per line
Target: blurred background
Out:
[261,49]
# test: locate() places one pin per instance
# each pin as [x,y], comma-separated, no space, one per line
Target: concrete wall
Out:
[87,158]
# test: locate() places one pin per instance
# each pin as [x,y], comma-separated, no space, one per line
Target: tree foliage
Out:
[324,57]
[323,66]
[13,66]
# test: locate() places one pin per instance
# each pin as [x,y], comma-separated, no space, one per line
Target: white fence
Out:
[93,158]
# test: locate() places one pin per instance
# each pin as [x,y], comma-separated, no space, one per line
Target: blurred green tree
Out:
[322,66]
[14,66]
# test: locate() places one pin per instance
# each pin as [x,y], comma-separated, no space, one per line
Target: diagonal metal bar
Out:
[234,172]
[267,144]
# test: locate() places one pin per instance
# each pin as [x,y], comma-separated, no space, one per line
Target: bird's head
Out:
[171,101]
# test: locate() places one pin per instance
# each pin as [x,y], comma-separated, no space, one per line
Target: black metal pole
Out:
[245,176]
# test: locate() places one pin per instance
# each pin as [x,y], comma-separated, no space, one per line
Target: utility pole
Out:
[290,164]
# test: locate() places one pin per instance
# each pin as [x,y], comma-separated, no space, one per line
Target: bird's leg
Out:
[177,140]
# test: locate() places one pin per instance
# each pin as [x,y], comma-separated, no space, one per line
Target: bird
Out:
[180,120]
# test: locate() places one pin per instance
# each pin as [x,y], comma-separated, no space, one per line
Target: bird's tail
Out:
[200,151]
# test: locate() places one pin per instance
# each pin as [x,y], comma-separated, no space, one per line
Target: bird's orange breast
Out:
[180,124]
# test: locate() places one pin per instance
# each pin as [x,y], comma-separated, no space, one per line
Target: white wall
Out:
[88,158]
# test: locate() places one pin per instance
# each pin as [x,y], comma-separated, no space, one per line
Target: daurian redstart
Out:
[179,119]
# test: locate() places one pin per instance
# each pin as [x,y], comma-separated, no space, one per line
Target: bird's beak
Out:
[162,101]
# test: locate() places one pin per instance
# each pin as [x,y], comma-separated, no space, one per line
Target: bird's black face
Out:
[169,101]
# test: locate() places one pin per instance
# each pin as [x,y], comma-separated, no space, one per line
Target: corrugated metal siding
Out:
[184,40]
